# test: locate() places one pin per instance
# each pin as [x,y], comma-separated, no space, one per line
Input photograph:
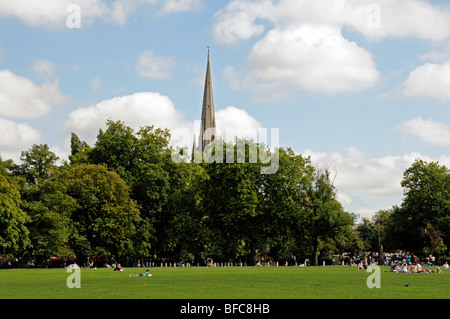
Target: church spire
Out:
[208,124]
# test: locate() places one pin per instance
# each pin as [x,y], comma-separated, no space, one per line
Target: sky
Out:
[360,86]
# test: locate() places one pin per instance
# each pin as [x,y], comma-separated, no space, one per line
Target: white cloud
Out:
[430,80]
[356,173]
[136,110]
[121,9]
[51,14]
[315,58]
[44,67]
[233,122]
[16,137]
[95,84]
[304,49]
[22,98]
[433,133]
[365,185]
[54,14]
[237,20]
[375,19]
[434,56]
[151,66]
[401,18]
[345,199]
[175,6]
[299,42]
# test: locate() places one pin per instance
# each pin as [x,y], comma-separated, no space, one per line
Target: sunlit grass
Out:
[340,282]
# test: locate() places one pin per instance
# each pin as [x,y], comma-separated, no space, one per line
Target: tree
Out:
[38,163]
[381,221]
[251,213]
[366,231]
[434,239]
[107,219]
[325,217]
[79,150]
[142,159]
[284,197]
[231,198]
[50,210]
[13,232]
[426,202]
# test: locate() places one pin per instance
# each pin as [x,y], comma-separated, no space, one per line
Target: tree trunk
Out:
[316,257]
[251,260]
[381,256]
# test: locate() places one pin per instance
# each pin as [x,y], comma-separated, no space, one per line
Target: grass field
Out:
[340,282]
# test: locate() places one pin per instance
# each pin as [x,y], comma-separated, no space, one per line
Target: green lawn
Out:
[223,283]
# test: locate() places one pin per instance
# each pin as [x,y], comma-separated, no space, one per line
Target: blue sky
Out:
[361,86]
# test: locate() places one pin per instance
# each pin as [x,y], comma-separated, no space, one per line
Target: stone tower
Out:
[208,122]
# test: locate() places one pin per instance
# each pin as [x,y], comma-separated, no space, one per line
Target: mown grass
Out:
[340,282]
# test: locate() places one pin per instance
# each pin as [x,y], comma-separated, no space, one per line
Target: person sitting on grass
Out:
[144,274]
[117,267]
[419,267]
[394,267]
[404,268]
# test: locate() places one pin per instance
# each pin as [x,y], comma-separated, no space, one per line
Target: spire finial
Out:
[208,51]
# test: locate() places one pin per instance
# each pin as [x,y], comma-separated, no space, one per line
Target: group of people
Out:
[413,267]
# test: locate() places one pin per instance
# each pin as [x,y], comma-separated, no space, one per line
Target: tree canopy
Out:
[126,197]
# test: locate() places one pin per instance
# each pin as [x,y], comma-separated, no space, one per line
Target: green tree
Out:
[284,196]
[79,150]
[107,219]
[38,164]
[381,221]
[231,199]
[13,232]
[50,210]
[325,216]
[426,202]
[43,199]
[143,161]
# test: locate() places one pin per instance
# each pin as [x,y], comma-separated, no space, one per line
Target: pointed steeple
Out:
[208,126]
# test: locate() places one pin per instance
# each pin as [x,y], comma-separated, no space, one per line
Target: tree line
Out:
[126,197]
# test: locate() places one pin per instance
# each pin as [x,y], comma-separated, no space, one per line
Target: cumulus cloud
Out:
[300,43]
[296,53]
[136,110]
[51,14]
[233,122]
[430,132]
[151,66]
[373,18]
[430,80]
[237,21]
[356,172]
[401,18]
[365,185]
[54,14]
[16,137]
[313,58]
[22,98]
